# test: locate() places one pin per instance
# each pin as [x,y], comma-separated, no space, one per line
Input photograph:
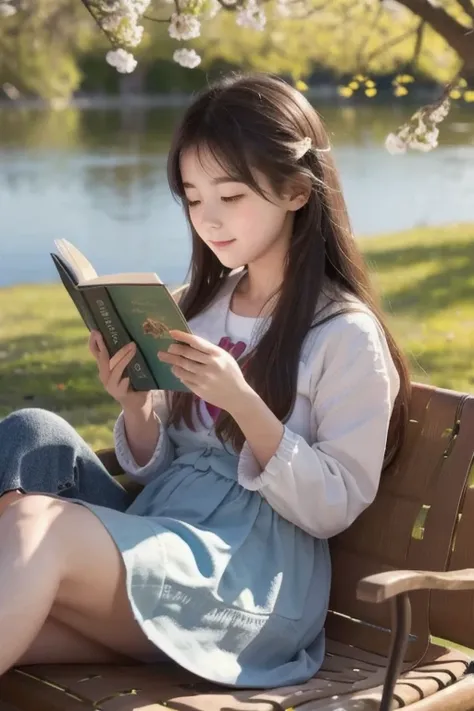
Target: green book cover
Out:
[116,335]
[125,307]
[148,312]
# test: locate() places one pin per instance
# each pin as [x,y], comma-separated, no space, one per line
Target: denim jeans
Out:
[41,452]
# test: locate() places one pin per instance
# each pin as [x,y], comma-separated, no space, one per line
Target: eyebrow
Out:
[216,181]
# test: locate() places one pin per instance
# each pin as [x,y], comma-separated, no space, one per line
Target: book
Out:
[124,308]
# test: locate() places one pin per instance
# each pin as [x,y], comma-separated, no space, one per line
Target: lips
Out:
[222,243]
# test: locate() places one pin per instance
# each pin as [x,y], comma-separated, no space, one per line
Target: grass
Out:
[427,282]
[425,277]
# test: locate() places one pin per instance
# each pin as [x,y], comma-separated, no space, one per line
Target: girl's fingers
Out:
[111,369]
[127,351]
[190,366]
[93,344]
[116,372]
[189,352]
[185,376]
[123,388]
[196,342]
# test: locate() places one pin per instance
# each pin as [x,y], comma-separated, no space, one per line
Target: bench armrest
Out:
[383,586]
[394,585]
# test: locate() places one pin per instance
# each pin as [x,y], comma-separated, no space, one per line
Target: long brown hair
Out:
[254,122]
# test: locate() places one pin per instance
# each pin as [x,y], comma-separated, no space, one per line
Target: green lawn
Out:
[426,277]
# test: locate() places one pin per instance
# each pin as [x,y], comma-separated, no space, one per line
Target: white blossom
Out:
[283,9]
[421,128]
[394,144]
[111,23]
[7,10]
[420,132]
[121,21]
[116,6]
[425,142]
[131,35]
[184,26]
[441,111]
[214,7]
[251,15]
[127,8]
[123,61]
[141,6]
[187,58]
[11,91]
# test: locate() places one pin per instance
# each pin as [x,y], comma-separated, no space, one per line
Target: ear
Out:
[298,193]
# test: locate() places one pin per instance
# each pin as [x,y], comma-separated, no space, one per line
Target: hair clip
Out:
[302,147]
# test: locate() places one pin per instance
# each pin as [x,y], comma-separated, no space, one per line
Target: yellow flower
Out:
[455,94]
[370,92]
[404,79]
[400,91]
[345,91]
[360,77]
[354,85]
[469,96]
[462,83]
[301,85]
[370,84]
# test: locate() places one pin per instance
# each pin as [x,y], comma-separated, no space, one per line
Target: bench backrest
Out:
[423,519]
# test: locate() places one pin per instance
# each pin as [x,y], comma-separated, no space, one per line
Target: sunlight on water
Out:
[98,178]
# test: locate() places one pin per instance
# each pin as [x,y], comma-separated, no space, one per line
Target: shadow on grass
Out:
[450,284]
[41,343]
[35,371]
[450,365]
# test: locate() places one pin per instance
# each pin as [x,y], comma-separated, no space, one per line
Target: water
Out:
[98,178]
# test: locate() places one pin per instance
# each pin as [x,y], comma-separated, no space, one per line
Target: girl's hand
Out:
[111,373]
[208,371]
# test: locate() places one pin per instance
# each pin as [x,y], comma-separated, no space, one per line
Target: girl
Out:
[298,399]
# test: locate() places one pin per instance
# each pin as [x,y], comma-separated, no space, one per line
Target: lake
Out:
[98,178]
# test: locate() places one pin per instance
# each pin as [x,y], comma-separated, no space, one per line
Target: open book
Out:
[125,307]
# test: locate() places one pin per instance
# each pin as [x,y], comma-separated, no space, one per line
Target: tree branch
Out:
[232,5]
[389,45]
[97,21]
[366,37]
[419,43]
[156,19]
[455,33]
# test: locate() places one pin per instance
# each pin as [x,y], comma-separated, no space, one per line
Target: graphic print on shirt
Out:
[236,350]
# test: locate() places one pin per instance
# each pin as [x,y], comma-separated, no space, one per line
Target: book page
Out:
[125,278]
[81,266]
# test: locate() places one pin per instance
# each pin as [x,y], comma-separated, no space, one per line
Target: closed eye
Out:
[229,198]
[232,198]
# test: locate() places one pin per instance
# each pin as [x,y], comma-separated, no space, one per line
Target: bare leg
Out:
[58,644]
[8,498]
[57,558]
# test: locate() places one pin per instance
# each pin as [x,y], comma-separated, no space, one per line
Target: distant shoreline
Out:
[323,92]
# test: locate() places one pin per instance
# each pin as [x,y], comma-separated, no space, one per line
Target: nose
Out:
[211,216]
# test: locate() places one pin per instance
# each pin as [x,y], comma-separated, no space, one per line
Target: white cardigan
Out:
[327,467]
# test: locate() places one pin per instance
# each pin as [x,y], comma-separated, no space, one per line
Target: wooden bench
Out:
[422,520]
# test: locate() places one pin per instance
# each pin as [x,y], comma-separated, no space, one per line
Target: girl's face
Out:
[237,224]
